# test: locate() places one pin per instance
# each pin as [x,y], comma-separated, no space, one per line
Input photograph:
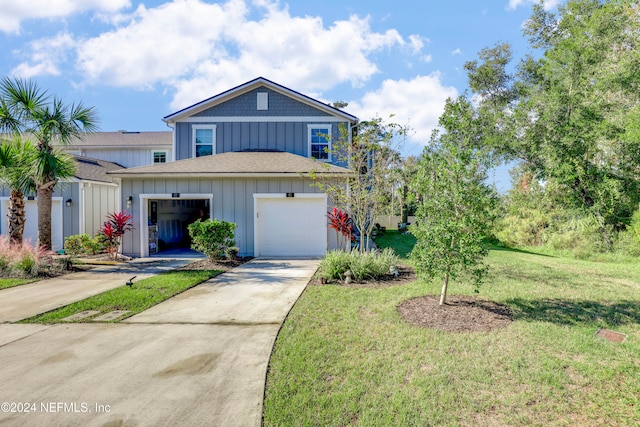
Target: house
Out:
[246,156]
[80,204]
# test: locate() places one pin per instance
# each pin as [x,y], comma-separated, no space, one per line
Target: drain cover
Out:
[81,315]
[612,336]
[112,315]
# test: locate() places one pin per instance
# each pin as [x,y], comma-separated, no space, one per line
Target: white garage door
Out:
[291,226]
[31,224]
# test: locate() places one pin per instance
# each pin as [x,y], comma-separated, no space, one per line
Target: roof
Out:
[272,163]
[124,139]
[249,86]
[93,169]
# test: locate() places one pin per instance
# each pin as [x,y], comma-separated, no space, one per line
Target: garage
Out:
[31,224]
[290,225]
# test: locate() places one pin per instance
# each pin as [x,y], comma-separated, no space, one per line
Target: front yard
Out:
[345,356]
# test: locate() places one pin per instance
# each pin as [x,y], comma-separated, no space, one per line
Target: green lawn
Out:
[142,295]
[400,243]
[345,357]
[10,282]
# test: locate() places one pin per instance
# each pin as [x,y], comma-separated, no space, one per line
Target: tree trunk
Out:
[45,193]
[16,216]
[445,285]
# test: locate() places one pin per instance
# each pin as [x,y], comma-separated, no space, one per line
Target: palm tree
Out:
[48,120]
[16,162]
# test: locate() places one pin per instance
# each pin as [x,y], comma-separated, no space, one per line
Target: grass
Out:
[11,282]
[142,295]
[345,357]
[400,243]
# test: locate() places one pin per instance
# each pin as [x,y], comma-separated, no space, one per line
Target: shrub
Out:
[23,260]
[363,265]
[84,244]
[213,238]
[112,231]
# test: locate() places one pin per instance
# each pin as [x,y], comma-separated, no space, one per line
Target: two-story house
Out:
[246,156]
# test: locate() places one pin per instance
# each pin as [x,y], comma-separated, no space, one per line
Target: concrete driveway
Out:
[198,359]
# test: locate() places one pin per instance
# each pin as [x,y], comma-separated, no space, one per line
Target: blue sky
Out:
[138,62]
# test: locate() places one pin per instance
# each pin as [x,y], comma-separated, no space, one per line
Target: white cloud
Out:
[45,57]
[457,51]
[418,102]
[13,12]
[199,49]
[548,4]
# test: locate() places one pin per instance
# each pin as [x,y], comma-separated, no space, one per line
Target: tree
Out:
[48,120]
[16,163]
[568,112]
[457,207]
[368,152]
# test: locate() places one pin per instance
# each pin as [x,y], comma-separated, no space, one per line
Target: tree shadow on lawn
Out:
[520,251]
[562,312]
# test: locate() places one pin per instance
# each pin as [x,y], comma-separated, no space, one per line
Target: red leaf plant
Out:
[341,222]
[113,229]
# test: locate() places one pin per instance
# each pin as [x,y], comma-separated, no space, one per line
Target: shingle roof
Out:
[124,139]
[94,169]
[238,163]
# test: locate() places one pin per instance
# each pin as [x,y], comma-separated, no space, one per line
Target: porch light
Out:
[129,201]
[68,202]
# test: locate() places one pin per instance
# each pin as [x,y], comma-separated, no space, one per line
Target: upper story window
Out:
[159,157]
[320,142]
[204,140]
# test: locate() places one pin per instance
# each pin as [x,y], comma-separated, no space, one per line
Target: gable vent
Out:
[263,100]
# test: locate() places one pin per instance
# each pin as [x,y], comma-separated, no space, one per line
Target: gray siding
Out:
[246,105]
[124,157]
[291,137]
[99,201]
[232,201]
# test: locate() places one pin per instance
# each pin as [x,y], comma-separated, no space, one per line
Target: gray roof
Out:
[94,169]
[238,164]
[125,139]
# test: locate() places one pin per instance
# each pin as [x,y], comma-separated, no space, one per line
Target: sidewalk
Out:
[21,302]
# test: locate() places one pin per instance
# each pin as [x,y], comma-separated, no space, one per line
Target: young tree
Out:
[31,110]
[368,152]
[457,207]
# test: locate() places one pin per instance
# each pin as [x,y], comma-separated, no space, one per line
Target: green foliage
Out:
[363,265]
[213,238]
[457,207]
[569,115]
[367,194]
[78,244]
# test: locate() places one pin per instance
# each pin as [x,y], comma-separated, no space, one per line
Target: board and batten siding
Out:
[291,137]
[100,200]
[232,201]
[127,158]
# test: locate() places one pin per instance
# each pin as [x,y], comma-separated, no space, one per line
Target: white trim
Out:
[319,171]
[143,200]
[194,128]
[252,119]
[256,196]
[329,142]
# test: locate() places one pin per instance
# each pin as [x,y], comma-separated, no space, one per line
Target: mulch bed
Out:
[406,274]
[460,313]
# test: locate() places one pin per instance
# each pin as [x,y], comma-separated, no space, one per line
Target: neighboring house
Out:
[244,156]
[80,204]
[128,149]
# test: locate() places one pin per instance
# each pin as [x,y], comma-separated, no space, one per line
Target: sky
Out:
[137,62]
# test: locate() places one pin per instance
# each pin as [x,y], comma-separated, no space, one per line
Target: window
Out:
[320,142]
[204,140]
[159,157]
